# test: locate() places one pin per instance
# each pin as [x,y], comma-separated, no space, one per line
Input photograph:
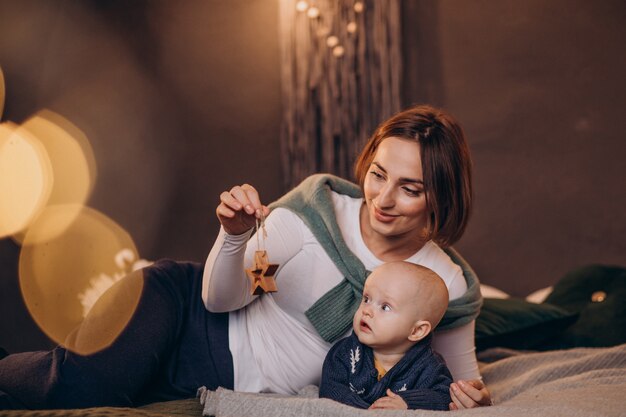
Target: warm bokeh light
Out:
[71,159]
[338,51]
[302,5]
[54,277]
[2,93]
[26,178]
[313,12]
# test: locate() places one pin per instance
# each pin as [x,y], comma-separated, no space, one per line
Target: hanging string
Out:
[260,230]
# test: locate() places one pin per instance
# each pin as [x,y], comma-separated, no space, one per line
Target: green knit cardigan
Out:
[332,314]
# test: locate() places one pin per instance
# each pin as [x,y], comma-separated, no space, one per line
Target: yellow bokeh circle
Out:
[71,165]
[26,178]
[56,276]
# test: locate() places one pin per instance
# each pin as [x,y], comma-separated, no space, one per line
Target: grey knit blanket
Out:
[572,383]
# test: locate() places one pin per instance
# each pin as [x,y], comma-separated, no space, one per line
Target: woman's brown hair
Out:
[446,165]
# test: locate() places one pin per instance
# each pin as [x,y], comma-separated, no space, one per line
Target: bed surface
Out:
[571,382]
[188,407]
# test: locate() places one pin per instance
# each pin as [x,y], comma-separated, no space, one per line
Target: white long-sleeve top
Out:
[274,346]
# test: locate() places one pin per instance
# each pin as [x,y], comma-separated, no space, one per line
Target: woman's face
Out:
[394,192]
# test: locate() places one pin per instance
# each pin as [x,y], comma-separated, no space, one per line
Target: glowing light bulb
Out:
[358,6]
[351,27]
[302,5]
[313,12]
[332,41]
[338,51]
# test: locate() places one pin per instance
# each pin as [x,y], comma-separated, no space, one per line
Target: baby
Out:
[387,362]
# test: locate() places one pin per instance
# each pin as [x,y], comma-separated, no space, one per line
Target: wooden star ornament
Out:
[261,275]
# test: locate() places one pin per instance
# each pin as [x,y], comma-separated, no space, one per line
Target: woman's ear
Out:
[420,330]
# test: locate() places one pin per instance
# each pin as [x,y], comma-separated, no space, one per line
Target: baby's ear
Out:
[420,330]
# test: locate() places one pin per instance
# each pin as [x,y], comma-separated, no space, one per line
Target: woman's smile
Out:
[383,216]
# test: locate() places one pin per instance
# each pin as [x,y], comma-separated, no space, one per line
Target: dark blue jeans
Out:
[171,346]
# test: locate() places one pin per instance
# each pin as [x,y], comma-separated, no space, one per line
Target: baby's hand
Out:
[391,402]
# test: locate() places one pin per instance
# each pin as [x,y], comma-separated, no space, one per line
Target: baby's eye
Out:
[366,299]
[386,307]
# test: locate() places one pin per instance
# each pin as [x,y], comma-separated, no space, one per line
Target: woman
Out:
[415,178]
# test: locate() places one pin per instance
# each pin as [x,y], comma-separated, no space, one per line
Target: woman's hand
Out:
[469,394]
[239,208]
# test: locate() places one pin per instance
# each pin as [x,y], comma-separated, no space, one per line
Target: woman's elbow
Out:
[213,304]
[220,304]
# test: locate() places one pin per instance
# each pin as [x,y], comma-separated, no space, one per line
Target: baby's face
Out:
[388,311]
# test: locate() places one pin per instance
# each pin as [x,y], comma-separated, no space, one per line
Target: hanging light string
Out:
[341,72]
[314,12]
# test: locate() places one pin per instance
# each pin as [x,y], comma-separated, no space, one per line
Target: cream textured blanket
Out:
[574,382]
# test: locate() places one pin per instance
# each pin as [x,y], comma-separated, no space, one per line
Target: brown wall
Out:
[539,87]
[181,100]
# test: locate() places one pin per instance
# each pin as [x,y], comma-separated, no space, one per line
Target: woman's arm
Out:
[458,350]
[225,285]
